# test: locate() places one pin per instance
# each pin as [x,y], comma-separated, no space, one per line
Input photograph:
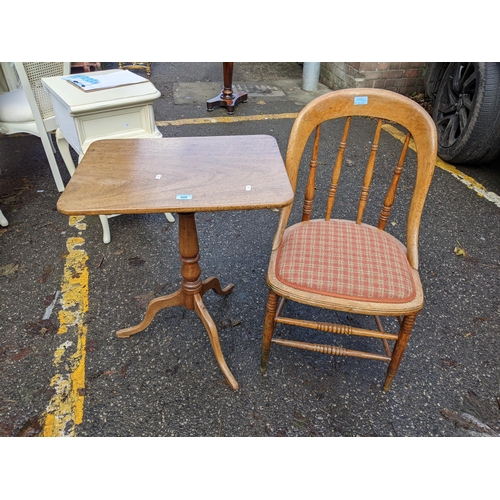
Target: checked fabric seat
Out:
[349,261]
[349,265]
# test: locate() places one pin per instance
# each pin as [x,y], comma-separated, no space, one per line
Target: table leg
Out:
[156,305]
[190,294]
[214,284]
[202,312]
[63,146]
[227,97]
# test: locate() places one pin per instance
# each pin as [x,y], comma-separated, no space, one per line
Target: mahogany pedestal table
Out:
[184,175]
[227,97]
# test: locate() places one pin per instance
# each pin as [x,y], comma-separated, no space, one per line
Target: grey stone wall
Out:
[405,78]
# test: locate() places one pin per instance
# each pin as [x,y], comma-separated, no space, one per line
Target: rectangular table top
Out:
[178,174]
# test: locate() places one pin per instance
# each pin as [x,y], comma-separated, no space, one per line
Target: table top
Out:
[78,101]
[178,174]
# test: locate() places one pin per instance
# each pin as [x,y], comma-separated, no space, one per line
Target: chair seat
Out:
[350,261]
[14,107]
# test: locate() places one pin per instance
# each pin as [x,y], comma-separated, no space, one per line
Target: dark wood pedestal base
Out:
[227,97]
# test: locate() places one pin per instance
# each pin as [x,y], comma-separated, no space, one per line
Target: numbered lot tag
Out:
[360,100]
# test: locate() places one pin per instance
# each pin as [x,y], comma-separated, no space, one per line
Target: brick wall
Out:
[403,77]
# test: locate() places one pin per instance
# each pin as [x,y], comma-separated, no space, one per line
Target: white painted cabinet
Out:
[115,113]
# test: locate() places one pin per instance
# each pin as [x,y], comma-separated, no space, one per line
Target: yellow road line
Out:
[225,119]
[65,410]
[465,179]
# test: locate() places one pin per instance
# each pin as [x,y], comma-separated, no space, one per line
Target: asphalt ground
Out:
[165,381]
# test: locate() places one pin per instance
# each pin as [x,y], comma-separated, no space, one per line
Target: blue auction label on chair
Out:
[361,100]
[184,197]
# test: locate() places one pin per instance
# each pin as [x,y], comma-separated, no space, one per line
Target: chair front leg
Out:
[399,349]
[267,334]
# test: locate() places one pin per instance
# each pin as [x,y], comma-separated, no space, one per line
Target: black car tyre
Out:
[467,113]
[433,75]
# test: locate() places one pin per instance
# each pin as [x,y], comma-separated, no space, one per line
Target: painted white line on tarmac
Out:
[49,309]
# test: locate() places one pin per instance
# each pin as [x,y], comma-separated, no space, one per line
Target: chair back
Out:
[382,105]
[30,75]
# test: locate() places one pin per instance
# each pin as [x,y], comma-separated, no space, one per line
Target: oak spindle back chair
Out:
[348,265]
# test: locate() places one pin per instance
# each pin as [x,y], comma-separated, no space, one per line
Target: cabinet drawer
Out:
[116,123]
